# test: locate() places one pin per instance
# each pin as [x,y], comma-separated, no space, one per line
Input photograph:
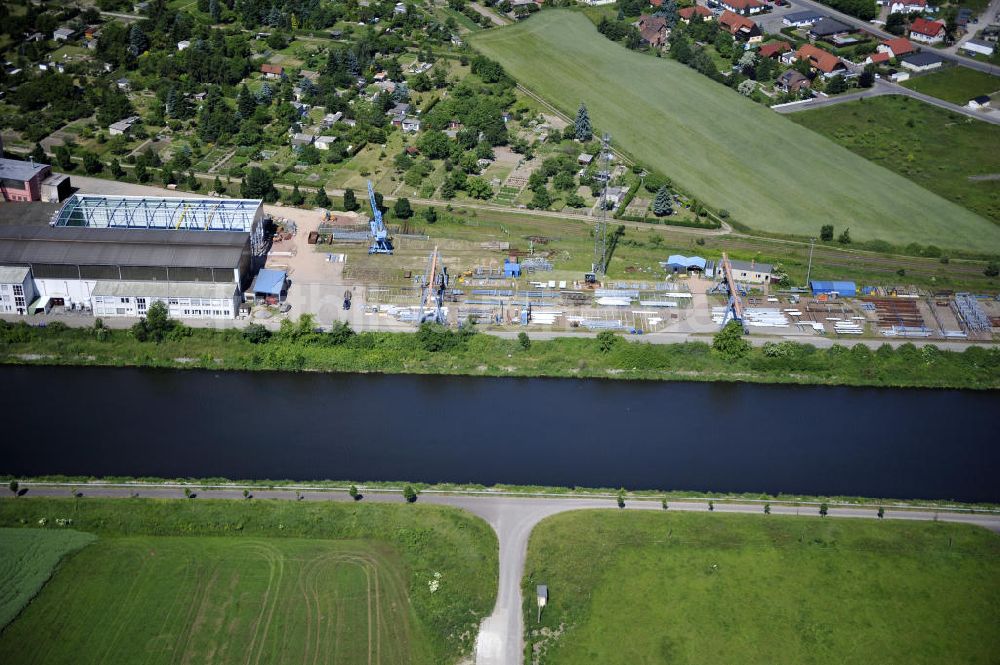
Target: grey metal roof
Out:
[164,289]
[21,245]
[829,26]
[755,267]
[799,17]
[16,169]
[13,275]
[921,59]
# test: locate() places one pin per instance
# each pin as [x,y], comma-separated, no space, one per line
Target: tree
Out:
[14,487]
[836,85]
[881,512]
[116,169]
[402,208]
[430,215]
[64,157]
[823,509]
[478,188]
[867,78]
[246,494]
[140,172]
[661,204]
[215,10]
[621,498]
[895,23]
[711,505]
[826,232]
[409,494]
[92,163]
[730,343]
[606,341]
[992,269]
[245,103]
[256,333]
[296,198]
[137,41]
[524,340]
[664,503]
[767,509]
[354,493]
[258,184]
[447,190]
[38,154]
[350,201]
[584,131]
[845,237]
[746,87]
[218,187]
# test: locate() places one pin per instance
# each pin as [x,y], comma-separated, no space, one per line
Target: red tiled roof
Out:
[922,26]
[899,46]
[271,69]
[822,60]
[877,58]
[773,49]
[742,4]
[688,12]
[733,22]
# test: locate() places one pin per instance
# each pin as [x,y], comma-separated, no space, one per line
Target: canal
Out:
[939,444]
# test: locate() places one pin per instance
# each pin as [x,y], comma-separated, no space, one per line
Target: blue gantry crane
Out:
[381,242]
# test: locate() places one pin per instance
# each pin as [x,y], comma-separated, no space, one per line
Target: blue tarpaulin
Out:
[844,289]
[270,282]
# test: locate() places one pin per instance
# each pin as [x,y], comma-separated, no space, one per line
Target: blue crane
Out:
[381,242]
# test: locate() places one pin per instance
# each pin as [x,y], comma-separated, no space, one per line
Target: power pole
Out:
[601,228]
[812,242]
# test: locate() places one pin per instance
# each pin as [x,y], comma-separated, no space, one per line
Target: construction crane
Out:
[432,290]
[381,242]
[735,305]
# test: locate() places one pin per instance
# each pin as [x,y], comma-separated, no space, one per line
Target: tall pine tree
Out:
[170,105]
[584,132]
[661,204]
[215,10]
[245,103]
[137,41]
[321,199]
[350,201]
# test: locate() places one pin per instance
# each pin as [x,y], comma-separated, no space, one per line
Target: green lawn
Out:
[27,559]
[634,587]
[932,147]
[221,582]
[726,150]
[955,84]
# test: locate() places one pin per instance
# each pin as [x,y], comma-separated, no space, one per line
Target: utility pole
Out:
[812,242]
[601,228]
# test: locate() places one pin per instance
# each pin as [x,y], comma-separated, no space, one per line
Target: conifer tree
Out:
[321,199]
[584,132]
[661,204]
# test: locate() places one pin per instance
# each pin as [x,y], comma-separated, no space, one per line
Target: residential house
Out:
[828,28]
[410,125]
[740,27]
[774,50]
[123,127]
[615,195]
[878,58]
[330,119]
[687,13]
[978,47]
[301,140]
[652,30]
[923,61]
[272,71]
[897,47]
[386,86]
[398,113]
[751,271]
[907,6]
[63,34]
[927,32]
[822,61]
[792,81]
[324,142]
[743,7]
[981,102]
[802,19]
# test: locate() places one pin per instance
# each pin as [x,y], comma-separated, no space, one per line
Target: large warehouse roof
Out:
[138,212]
[23,245]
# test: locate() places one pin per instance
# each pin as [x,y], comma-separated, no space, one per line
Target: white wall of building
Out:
[15,297]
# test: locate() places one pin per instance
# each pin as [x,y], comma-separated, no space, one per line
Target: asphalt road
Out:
[882,87]
[501,636]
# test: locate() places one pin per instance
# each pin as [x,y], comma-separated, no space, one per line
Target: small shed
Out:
[843,289]
[269,285]
[678,263]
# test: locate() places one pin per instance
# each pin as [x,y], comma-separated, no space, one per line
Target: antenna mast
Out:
[599,266]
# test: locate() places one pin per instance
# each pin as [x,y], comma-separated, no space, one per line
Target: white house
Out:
[324,142]
[927,32]
[921,62]
[411,125]
[979,103]
[63,34]
[978,47]
[17,290]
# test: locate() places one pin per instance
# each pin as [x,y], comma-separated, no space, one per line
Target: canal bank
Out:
[690,437]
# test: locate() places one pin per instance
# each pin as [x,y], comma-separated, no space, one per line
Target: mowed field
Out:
[949,154]
[221,600]
[955,84]
[27,559]
[771,174]
[648,587]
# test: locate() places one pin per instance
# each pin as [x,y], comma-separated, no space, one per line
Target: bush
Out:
[730,343]
[606,341]
[524,340]
[256,333]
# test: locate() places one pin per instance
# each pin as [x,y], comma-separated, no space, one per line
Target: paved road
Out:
[886,88]
[501,637]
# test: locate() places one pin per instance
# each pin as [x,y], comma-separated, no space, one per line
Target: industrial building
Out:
[115,256]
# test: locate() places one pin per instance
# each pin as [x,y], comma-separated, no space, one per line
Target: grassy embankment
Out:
[445,352]
[771,174]
[28,558]
[702,588]
[955,84]
[249,581]
[936,149]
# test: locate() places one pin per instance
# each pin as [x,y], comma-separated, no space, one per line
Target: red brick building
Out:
[22,181]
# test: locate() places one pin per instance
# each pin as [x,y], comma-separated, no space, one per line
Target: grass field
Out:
[27,559]
[955,84]
[223,600]
[702,588]
[198,581]
[934,148]
[768,172]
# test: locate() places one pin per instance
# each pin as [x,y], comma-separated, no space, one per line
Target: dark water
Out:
[724,437]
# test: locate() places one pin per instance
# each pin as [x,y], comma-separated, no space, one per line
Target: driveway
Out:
[501,637]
